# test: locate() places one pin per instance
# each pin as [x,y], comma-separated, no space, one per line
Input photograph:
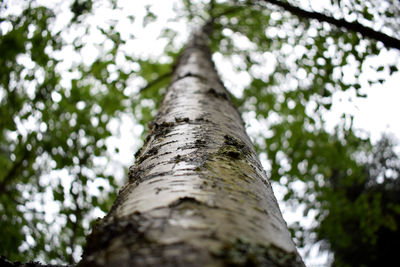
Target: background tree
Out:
[57,113]
[360,218]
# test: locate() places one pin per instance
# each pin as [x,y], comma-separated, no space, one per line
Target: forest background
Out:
[80,80]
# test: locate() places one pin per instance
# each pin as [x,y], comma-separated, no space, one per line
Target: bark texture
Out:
[197,194]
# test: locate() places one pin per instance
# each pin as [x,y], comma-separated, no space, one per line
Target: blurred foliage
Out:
[44,128]
[361,210]
[55,120]
[54,129]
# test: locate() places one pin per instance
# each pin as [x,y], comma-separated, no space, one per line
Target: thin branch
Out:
[209,25]
[155,81]
[228,11]
[14,170]
[387,40]
[211,8]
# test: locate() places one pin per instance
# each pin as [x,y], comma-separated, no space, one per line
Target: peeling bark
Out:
[197,194]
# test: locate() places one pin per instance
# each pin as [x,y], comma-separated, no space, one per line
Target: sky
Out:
[375,114]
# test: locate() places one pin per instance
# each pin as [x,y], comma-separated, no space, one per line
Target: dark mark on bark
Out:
[177,159]
[199,119]
[134,174]
[156,130]
[243,253]
[187,146]
[138,153]
[152,152]
[188,173]
[231,141]
[216,94]
[168,143]
[156,181]
[162,129]
[189,74]
[179,120]
[233,154]
[233,148]
[157,174]
[196,158]
[200,143]
[183,200]
[159,189]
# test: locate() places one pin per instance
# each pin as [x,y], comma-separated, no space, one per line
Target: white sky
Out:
[379,112]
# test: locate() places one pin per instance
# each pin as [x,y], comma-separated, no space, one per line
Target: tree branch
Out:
[387,40]
[13,172]
[228,11]
[155,81]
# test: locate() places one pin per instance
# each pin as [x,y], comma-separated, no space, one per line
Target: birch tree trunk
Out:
[197,194]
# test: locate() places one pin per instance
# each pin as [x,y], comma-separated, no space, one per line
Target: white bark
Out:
[197,195]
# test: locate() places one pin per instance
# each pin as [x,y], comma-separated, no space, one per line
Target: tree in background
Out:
[362,210]
[54,117]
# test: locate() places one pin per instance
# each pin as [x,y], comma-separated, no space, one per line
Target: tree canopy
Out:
[73,74]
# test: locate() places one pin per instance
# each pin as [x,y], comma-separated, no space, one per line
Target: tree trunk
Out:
[197,194]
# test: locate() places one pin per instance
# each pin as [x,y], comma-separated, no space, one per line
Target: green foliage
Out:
[361,211]
[80,7]
[149,18]
[50,137]
[54,130]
